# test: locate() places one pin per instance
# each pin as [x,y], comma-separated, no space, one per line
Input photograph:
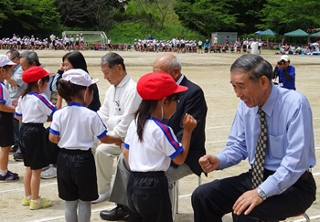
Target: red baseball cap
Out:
[34,74]
[158,85]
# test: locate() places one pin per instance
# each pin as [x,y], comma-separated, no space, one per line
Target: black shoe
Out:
[117,213]
[17,156]
[14,149]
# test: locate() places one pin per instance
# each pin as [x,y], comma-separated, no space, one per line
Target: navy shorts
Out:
[148,197]
[6,129]
[76,173]
[33,142]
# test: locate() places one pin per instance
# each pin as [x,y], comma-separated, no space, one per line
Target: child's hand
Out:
[189,123]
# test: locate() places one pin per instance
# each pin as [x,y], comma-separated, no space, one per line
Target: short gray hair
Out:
[174,64]
[112,59]
[31,57]
[14,53]
[254,65]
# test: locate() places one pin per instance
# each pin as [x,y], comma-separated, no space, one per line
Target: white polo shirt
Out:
[4,95]
[77,125]
[119,105]
[158,147]
[34,108]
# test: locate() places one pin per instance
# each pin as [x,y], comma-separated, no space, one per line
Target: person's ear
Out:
[264,81]
[119,66]
[164,101]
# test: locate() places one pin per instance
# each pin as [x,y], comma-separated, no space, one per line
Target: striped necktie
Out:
[258,165]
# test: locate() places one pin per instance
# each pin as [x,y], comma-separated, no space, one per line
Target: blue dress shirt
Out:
[290,149]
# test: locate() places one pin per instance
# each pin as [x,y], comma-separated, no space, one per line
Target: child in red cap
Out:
[150,146]
[33,110]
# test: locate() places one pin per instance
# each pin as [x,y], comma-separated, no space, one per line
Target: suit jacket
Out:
[193,102]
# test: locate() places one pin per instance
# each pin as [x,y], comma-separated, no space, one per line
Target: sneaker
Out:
[49,173]
[17,156]
[40,203]
[9,177]
[26,201]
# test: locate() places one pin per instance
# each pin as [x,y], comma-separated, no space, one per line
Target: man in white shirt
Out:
[117,111]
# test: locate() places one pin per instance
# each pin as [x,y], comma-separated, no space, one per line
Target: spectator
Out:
[200,46]
[286,73]
[207,46]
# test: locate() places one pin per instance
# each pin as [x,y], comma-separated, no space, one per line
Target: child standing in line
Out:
[6,123]
[151,145]
[73,128]
[33,110]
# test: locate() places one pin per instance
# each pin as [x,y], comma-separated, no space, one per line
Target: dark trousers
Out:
[213,200]
[148,197]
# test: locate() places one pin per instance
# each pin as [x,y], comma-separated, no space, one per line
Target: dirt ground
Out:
[211,72]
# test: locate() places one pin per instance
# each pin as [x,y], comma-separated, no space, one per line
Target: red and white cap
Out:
[158,85]
[34,74]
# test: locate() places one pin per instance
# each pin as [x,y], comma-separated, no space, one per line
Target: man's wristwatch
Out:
[261,194]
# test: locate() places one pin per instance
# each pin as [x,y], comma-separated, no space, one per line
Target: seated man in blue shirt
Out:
[287,188]
[286,73]
[207,46]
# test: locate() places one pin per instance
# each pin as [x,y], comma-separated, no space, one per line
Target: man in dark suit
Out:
[193,102]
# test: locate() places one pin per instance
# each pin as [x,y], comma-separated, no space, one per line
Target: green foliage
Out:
[284,16]
[144,18]
[126,20]
[154,13]
[90,15]
[29,16]
[248,13]
[207,16]
[126,32]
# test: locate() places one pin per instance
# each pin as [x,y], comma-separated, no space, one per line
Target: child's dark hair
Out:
[32,84]
[144,112]
[68,90]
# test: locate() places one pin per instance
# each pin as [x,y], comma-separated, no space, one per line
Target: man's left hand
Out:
[247,202]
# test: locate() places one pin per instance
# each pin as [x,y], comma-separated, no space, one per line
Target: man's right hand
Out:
[209,163]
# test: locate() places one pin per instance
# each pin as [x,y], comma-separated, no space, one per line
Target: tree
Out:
[29,16]
[206,16]
[155,13]
[89,15]
[283,16]
[249,13]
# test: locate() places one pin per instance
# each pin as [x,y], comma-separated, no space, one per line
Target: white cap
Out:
[5,61]
[79,77]
[285,58]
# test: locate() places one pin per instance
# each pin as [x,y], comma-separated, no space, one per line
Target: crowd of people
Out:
[310,49]
[163,116]
[70,42]
[150,44]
